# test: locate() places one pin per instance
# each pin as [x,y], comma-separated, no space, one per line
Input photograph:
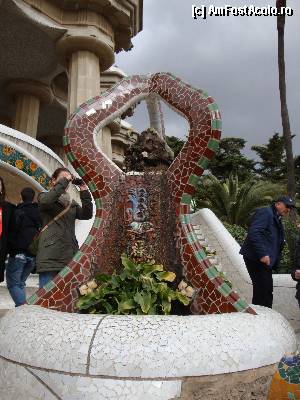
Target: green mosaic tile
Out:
[240,305]
[213,145]
[89,240]
[97,222]
[200,255]
[64,272]
[186,199]
[205,95]
[185,219]
[71,156]
[191,237]
[193,180]
[291,396]
[66,140]
[216,124]
[32,299]
[92,186]
[225,289]
[80,171]
[203,162]
[212,273]
[49,286]
[213,107]
[78,256]
[98,203]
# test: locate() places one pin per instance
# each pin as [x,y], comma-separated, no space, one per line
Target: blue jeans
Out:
[46,277]
[17,271]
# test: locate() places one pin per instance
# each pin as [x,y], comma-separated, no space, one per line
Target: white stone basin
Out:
[47,354]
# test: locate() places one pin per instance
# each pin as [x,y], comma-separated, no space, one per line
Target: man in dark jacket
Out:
[296,270]
[263,246]
[21,262]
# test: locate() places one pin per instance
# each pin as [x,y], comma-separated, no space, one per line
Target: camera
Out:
[77,181]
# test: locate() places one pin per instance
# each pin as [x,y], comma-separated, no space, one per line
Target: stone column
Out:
[84,78]
[28,96]
[86,53]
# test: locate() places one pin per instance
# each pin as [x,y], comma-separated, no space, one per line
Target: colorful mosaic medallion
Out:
[104,178]
[286,381]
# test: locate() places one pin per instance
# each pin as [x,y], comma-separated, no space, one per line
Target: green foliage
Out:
[272,165]
[232,201]
[237,232]
[140,289]
[229,160]
[291,233]
[175,144]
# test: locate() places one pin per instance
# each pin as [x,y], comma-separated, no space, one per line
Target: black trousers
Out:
[262,280]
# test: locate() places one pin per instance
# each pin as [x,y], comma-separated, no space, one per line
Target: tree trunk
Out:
[286,129]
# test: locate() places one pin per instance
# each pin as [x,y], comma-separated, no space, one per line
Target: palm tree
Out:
[233,202]
[286,129]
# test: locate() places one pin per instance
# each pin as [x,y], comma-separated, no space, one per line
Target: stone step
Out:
[6,302]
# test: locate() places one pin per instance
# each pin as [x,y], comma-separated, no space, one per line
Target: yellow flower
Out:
[33,166]
[8,150]
[42,179]
[19,164]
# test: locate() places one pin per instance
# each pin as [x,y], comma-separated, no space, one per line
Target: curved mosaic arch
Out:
[21,162]
[102,177]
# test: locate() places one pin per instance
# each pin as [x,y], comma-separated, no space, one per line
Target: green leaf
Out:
[166,276]
[182,298]
[126,305]
[127,263]
[148,269]
[166,307]
[144,300]
[102,278]
[115,281]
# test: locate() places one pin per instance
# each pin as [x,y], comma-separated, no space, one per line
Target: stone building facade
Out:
[56,54]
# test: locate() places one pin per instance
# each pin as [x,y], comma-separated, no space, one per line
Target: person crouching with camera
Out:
[57,242]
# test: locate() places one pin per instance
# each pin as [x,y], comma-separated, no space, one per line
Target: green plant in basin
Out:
[140,289]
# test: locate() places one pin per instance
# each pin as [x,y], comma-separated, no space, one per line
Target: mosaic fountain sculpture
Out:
[129,357]
[105,179]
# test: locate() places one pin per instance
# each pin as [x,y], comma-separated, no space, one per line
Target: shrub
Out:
[238,232]
[140,289]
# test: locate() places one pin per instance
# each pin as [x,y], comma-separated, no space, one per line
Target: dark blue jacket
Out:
[295,267]
[265,236]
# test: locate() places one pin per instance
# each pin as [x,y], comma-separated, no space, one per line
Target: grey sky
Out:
[233,58]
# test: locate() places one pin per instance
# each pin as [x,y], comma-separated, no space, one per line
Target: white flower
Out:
[145,154]
[83,290]
[182,285]
[92,284]
[189,291]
